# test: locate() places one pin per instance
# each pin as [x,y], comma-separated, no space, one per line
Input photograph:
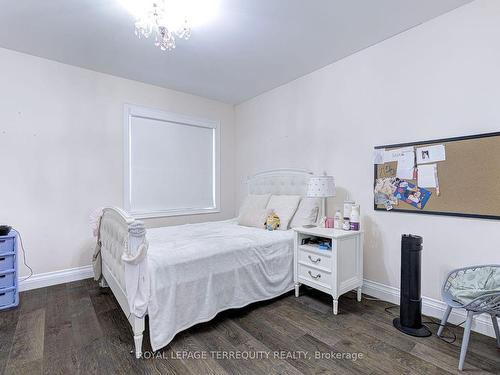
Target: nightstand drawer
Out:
[6,245]
[315,275]
[315,260]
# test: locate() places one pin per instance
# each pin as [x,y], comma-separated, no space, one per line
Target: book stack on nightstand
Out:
[9,295]
[329,260]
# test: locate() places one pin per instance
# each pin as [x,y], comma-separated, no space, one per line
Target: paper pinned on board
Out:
[427,176]
[387,170]
[405,173]
[406,165]
[407,160]
[431,154]
[378,156]
[412,194]
[396,154]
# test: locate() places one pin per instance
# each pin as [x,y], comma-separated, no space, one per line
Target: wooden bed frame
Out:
[124,240]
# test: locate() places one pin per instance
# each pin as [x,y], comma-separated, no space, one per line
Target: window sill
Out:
[170,213]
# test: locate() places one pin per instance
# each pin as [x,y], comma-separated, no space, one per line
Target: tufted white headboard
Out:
[279,181]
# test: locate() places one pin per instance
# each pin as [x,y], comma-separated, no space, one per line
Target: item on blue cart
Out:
[4,230]
[9,294]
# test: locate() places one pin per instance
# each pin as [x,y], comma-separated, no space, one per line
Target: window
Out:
[171,164]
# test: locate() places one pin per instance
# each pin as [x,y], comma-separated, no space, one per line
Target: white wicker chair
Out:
[487,303]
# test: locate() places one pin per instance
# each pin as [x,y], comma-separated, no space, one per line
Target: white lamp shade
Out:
[321,187]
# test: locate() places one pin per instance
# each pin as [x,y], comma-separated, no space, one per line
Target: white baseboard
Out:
[57,277]
[430,307]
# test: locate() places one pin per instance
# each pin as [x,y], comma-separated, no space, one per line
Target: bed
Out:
[183,275]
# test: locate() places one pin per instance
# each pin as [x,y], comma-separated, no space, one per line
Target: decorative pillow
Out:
[272,222]
[255,217]
[284,206]
[473,284]
[307,212]
[253,201]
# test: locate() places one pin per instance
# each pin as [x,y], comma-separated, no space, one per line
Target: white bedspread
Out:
[198,270]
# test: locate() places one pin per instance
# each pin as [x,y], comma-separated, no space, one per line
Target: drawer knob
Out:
[314,260]
[314,277]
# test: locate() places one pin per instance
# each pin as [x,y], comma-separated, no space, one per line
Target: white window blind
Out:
[171,163]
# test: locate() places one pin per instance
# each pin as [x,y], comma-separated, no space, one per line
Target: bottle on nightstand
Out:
[337,220]
[354,225]
[347,215]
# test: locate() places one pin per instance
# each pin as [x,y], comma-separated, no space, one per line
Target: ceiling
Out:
[250,47]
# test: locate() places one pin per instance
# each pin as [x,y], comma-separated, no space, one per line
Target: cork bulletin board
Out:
[469,177]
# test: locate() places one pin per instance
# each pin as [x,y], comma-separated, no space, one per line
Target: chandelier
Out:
[156,21]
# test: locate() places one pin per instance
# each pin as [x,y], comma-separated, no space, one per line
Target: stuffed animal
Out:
[272,222]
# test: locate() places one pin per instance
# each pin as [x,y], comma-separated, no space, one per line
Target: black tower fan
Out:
[410,320]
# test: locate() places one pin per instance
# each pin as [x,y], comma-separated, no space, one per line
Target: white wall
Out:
[61,139]
[61,149]
[440,79]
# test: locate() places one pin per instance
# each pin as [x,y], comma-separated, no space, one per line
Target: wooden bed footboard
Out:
[123,241]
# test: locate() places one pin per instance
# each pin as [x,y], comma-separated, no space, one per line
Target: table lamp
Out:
[321,187]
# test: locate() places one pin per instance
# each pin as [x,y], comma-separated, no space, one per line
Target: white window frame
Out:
[132,111]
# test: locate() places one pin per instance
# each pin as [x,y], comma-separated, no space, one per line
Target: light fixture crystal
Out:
[155,21]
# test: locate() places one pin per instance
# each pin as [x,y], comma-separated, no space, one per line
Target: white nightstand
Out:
[335,271]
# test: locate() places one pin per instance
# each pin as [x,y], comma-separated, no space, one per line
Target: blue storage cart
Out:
[9,293]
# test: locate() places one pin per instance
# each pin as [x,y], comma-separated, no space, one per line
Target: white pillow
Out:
[253,201]
[254,217]
[284,206]
[307,212]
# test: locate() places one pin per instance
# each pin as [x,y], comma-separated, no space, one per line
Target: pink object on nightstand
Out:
[329,222]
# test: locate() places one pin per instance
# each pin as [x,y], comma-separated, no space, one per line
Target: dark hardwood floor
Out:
[76,328]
